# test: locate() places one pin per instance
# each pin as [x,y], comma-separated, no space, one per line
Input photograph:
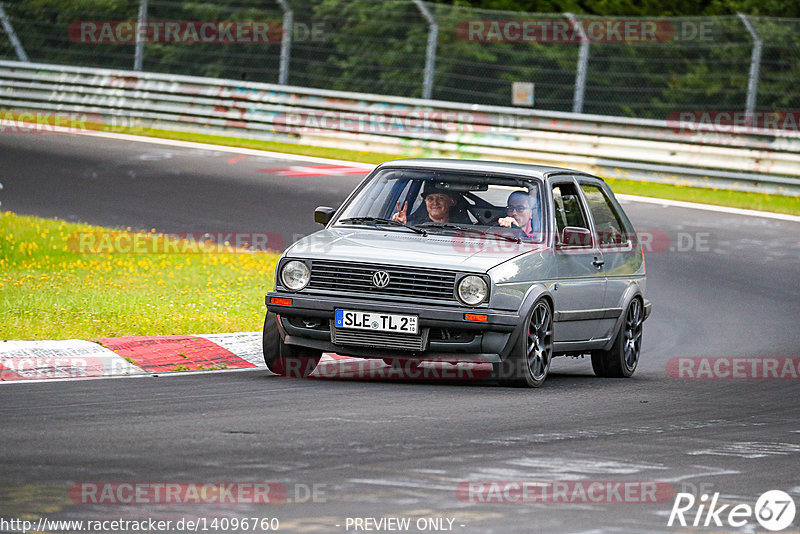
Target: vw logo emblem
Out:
[380,279]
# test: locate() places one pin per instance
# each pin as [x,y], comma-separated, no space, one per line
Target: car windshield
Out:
[449,201]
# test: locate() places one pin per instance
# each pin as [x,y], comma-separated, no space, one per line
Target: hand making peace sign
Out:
[401,216]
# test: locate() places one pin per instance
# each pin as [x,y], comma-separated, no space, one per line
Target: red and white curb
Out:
[132,356]
[128,356]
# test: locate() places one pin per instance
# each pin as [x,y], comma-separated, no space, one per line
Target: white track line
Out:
[218,148]
[367,167]
[145,374]
[709,207]
[326,358]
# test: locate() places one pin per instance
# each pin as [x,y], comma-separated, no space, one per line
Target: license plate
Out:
[377,321]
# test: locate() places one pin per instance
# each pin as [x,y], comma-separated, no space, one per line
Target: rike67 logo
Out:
[774,510]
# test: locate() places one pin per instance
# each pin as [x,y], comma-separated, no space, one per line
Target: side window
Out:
[400,193]
[569,211]
[384,201]
[610,230]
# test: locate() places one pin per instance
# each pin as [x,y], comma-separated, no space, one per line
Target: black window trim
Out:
[541,181]
[570,179]
[597,182]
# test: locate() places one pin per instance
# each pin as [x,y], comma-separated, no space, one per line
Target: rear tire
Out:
[529,362]
[283,359]
[623,357]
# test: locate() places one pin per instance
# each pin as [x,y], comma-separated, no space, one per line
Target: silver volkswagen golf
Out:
[464,261]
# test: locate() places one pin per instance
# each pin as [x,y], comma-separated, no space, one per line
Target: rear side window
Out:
[568,207]
[607,222]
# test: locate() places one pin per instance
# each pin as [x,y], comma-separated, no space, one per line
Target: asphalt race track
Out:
[730,287]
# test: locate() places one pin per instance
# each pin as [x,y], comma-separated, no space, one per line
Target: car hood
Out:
[476,253]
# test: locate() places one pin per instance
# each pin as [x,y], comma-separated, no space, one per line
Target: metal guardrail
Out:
[639,149]
[629,66]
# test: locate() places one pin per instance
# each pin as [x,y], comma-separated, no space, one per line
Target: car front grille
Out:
[406,282]
[384,340]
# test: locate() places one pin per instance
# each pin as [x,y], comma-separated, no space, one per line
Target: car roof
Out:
[536,171]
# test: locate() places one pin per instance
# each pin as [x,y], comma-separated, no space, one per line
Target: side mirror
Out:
[576,237]
[323,214]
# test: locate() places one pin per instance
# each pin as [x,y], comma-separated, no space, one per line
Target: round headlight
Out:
[295,275]
[472,290]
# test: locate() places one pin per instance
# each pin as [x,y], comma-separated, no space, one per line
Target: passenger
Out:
[521,213]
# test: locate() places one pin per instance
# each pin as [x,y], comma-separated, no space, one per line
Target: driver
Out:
[520,209]
[438,205]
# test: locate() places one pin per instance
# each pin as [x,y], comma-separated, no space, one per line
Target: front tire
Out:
[529,363]
[286,360]
[623,357]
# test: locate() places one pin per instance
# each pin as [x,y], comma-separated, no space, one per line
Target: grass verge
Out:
[702,195]
[55,286]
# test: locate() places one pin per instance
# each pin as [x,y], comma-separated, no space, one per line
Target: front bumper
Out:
[488,341]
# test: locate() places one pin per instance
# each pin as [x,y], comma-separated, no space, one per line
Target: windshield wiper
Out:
[379,221]
[456,227]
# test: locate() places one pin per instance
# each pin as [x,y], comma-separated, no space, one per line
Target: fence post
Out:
[12,36]
[583,61]
[430,51]
[141,33]
[286,42]
[755,66]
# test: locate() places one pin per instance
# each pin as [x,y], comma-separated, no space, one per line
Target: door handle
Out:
[598,262]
